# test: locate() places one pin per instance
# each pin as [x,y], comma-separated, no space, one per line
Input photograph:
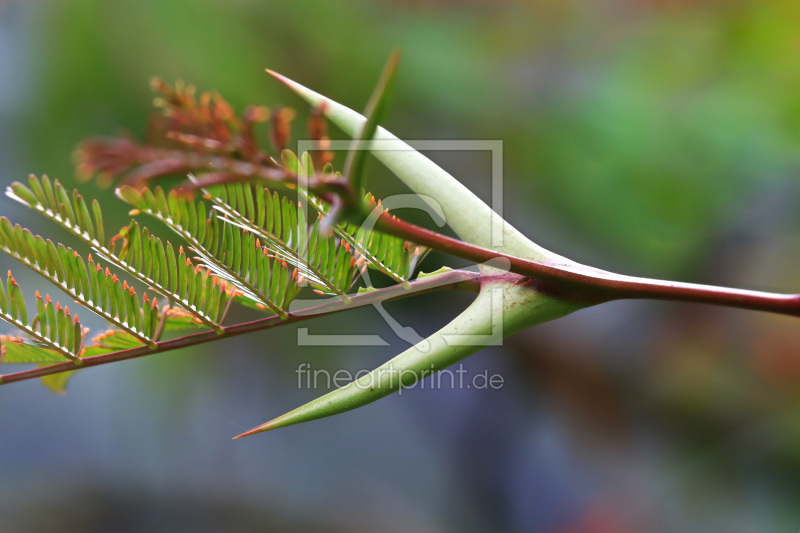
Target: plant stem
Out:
[582,282]
[451,280]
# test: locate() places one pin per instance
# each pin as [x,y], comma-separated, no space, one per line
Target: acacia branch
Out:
[450,280]
[570,280]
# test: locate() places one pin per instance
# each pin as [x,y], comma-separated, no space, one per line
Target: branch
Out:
[586,283]
[118,156]
[575,281]
[450,280]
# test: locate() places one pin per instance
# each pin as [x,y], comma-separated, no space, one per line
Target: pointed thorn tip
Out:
[279,77]
[247,433]
[272,424]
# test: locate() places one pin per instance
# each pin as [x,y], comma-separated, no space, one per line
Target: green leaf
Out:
[67,270]
[164,273]
[17,350]
[47,329]
[178,319]
[57,383]
[85,220]
[54,202]
[284,235]
[366,242]
[220,252]
[113,340]
[98,219]
[15,294]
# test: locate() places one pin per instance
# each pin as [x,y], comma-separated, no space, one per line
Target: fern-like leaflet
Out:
[390,255]
[226,251]
[166,281]
[241,242]
[52,326]
[328,265]
[89,284]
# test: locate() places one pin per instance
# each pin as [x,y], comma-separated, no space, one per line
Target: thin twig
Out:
[455,279]
[582,282]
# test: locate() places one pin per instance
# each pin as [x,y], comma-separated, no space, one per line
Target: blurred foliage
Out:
[651,137]
[639,130]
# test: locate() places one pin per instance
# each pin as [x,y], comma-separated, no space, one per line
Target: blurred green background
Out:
[653,138]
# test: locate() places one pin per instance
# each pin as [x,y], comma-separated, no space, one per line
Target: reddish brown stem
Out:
[456,279]
[578,281]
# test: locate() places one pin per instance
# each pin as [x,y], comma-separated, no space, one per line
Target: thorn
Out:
[38,296]
[124,285]
[98,269]
[207,196]
[47,299]
[258,243]
[76,318]
[155,303]
[145,298]
[272,424]
[352,262]
[114,278]
[74,253]
[133,212]
[261,306]
[133,292]
[89,258]
[347,247]
[58,306]
[294,274]
[108,271]
[188,262]
[319,292]
[379,202]
[197,269]
[406,245]
[180,250]
[66,310]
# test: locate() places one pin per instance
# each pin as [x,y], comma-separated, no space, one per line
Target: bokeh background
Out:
[654,138]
